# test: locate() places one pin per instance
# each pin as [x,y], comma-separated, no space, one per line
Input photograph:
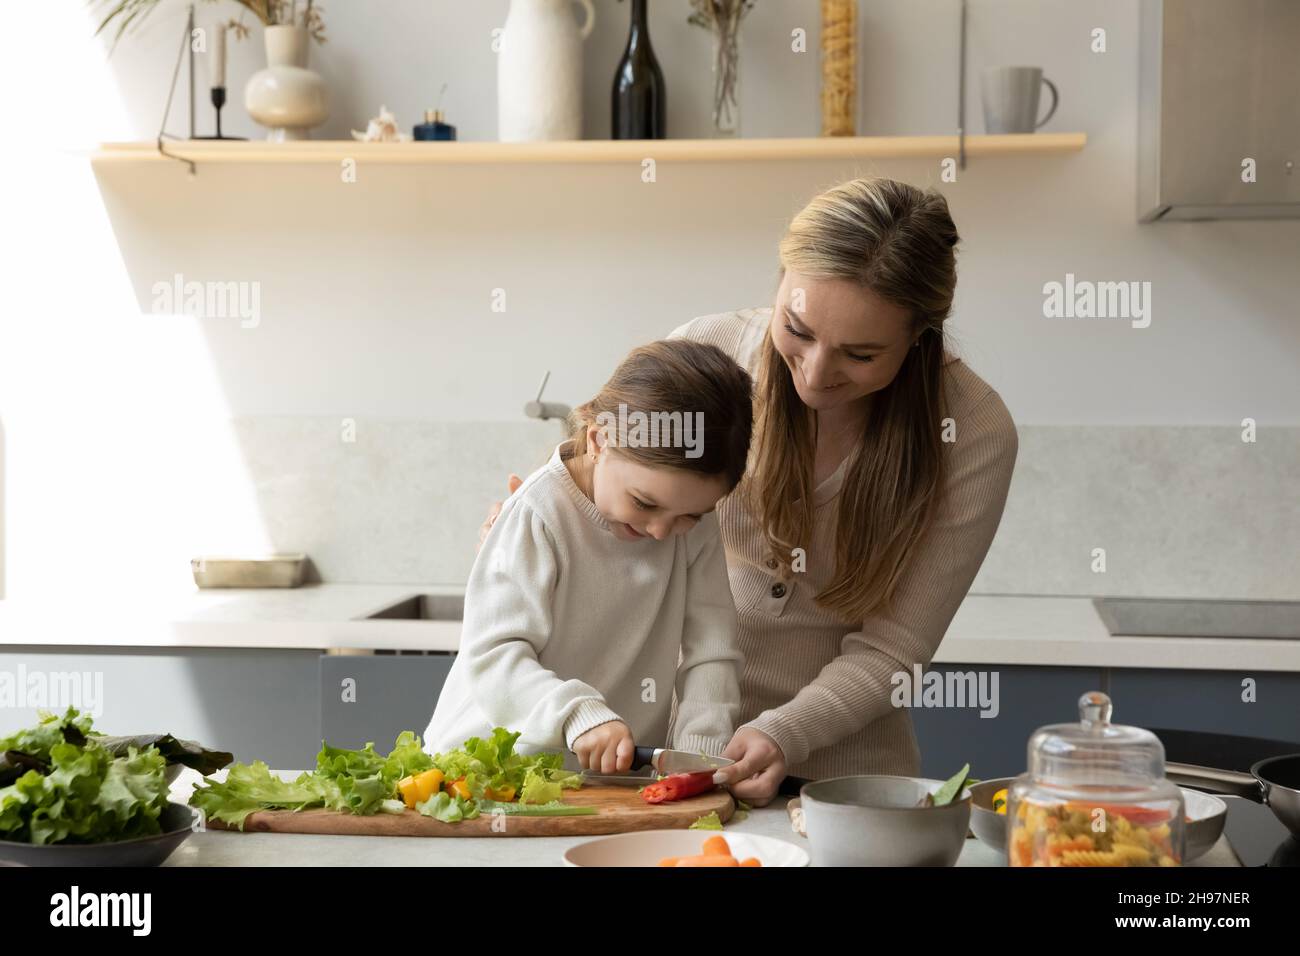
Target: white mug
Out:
[1011,95]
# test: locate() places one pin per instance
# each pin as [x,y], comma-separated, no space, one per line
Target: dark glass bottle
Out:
[639,96]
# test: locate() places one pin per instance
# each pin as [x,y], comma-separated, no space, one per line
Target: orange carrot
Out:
[752,861]
[717,846]
[711,859]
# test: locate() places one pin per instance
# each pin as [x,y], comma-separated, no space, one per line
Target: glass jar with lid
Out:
[1095,794]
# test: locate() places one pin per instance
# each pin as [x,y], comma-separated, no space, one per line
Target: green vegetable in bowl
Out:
[64,786]
[187,753]
[950,790]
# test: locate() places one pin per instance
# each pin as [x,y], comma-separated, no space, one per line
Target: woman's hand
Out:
[513,484]
[606,748]
[759,769]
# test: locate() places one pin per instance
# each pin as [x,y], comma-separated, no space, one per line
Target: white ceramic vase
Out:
[539,71]
[286,97]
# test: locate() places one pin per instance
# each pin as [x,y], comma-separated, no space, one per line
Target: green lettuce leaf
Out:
[87,795]
[407,757]
[543,785]
[73,727]
[251,787]
[443,806]
[709,821]
[556,809]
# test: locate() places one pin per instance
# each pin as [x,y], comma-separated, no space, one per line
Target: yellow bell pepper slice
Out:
[419,787]
[427,784]
[409,791]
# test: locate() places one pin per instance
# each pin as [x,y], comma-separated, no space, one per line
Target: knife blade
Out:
[659,762]
[666,762]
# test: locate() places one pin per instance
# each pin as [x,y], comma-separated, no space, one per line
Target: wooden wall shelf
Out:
[591,151]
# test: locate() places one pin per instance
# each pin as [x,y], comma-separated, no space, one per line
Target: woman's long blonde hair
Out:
[897,241]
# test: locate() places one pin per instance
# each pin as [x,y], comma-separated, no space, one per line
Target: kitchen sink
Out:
[1167,617]
[424,607]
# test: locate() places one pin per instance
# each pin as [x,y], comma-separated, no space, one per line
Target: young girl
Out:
[601,592]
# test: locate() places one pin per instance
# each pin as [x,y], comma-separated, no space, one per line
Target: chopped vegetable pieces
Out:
[678,786]
[450,787]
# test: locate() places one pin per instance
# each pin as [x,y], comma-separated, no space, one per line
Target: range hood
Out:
[1218,84]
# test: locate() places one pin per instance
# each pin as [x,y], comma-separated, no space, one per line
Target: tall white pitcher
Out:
[539,71]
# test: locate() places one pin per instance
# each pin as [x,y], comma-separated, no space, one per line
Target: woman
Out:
[875,484]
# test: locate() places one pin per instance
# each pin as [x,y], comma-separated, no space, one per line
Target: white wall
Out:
[375,295]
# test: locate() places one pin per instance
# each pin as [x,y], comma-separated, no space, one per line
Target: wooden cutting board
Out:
[620,810]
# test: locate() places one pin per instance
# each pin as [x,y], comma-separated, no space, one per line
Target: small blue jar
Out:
[434,128]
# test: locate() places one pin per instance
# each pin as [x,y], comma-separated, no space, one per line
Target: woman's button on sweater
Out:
[776,598]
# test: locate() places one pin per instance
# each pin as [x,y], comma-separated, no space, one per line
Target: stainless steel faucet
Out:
[546,410]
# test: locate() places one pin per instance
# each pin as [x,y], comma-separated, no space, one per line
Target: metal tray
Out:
[268,571]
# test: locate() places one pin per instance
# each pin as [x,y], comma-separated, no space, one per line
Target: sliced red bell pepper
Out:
[679,786]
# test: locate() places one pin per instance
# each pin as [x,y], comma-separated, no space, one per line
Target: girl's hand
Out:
[759,768]
[514,483]
[606,748]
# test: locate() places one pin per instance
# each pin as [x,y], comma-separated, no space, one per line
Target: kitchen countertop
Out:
[1068,632]
[311,617]
[228,848]
[987,628]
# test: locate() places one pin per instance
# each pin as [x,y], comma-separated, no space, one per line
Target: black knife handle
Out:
[643,757]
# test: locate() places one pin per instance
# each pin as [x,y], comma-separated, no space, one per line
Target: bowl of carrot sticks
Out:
[686,848]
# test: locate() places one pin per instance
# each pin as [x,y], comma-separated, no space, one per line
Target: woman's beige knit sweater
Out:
[820,685]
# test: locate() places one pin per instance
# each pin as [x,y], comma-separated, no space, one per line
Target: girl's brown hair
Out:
[897,241]
[682,377]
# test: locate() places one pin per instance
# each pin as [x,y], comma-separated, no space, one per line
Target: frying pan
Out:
[1279,782]
[1274,782]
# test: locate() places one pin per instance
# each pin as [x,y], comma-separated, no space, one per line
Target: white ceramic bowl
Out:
[986,823]
[1208,814]
[874,820]
[648,847]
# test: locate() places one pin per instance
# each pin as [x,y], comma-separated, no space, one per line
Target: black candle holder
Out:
[218,101]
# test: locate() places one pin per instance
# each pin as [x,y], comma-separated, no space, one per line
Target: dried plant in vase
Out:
[129,14]
[722,18]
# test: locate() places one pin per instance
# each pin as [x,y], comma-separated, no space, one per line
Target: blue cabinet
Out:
[1027,698]
[260,704]
[1032,697]
[373,697]
[1215,702]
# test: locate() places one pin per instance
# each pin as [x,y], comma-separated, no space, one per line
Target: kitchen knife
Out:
[666,762]
[658,762]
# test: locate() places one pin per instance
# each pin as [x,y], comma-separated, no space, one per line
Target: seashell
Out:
[381,129]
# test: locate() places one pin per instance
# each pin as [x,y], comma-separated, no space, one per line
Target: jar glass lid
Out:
[1095,751]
